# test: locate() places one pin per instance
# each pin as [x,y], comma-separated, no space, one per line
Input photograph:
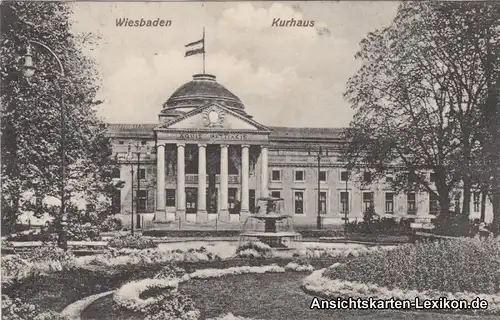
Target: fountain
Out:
[272,227]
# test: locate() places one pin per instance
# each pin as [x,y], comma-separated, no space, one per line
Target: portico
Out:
[213,151]
[213,161]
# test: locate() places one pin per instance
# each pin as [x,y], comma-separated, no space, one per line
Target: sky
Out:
[291,76]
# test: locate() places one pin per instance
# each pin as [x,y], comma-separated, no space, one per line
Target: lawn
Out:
[260,296]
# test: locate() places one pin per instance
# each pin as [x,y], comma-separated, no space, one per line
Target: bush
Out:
[386,226]
[131,242]
[111,224]
[454,224]
[458,265]
[83,232]
[18,310]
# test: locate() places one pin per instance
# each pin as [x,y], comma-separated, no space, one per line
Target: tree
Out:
[31,129]
[418,98]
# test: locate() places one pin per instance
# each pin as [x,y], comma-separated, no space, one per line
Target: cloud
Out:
[249,18]
[284,76]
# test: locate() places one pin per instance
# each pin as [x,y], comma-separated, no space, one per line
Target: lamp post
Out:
[138,149]
[130,161]
[320,153]
[29,71]
[346,206]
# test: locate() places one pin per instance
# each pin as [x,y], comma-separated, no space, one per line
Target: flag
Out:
[192,50]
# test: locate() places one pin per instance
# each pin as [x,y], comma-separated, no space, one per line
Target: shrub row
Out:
[446,265]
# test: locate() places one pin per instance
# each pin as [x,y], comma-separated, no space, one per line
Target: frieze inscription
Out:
[213,136]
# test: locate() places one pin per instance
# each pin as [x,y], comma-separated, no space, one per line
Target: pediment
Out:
[214,116]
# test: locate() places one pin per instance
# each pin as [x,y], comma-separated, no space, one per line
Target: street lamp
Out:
[29,70]
[346,205]
[138,149]
[320,153]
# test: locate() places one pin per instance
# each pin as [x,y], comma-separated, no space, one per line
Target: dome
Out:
[201,90]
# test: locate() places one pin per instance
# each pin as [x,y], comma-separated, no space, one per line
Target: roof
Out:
[305,133]
[144,130]
[277,134]
[203,86]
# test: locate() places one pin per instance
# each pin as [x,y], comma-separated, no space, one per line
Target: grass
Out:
[56,290]
[459,265]
[261,296]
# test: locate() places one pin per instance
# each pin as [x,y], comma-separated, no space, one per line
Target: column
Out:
[201,215]
[244,182]
[181,185]
[160,183]
[223,211]
[264,174]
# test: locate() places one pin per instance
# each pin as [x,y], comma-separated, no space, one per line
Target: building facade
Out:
[207,158]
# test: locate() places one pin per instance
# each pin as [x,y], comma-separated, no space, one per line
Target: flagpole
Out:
[204,50]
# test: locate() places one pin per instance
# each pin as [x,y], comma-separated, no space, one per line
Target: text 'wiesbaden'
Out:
[126,22]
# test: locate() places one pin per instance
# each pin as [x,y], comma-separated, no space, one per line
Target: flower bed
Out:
[460,269]
[147,256]
[129,295]
[449,265]
[320,284]
[40,260]
[294,266]
[323,252]
[159,298]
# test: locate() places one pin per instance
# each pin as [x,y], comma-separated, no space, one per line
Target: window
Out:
[457,203]
[389,176]
[115,173]
[276,175]
[299,202]
[411,205]
[142,196]
[476,198]
[433,204]
[142,174]
[344,176]
[276,194]
[116,201]
[322,175]
[322,202]
[389,202]
[367,177]
[191,200]
[344,201]
[170,201]
[299,175]
[367,200]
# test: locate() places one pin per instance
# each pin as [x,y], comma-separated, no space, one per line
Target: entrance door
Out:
[251,201]
[191,200]
[233,203]
[212,200]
